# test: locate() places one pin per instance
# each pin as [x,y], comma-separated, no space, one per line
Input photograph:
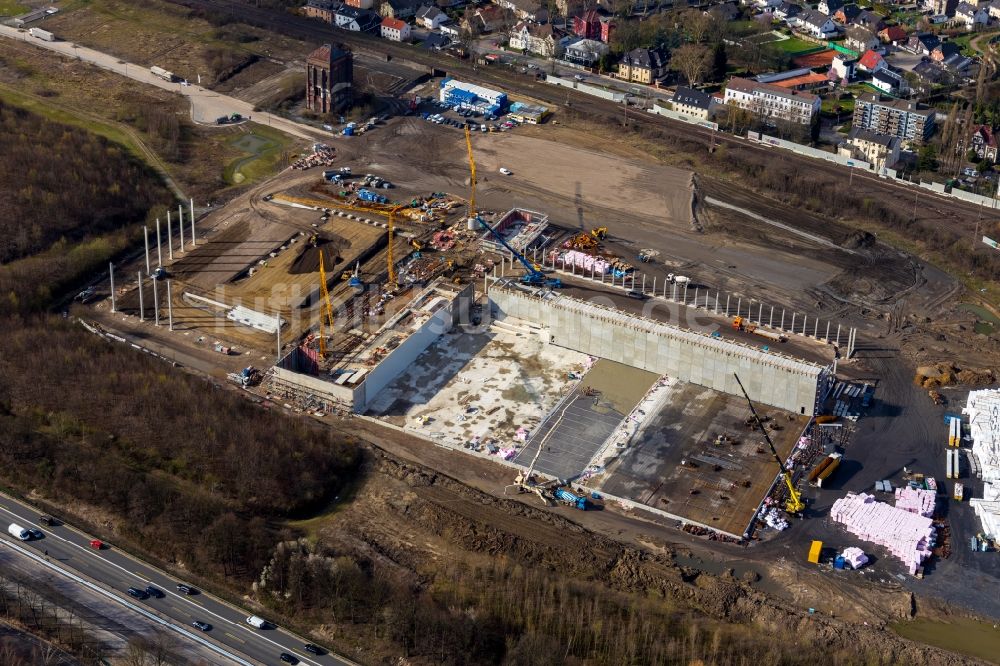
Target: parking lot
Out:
[442,114]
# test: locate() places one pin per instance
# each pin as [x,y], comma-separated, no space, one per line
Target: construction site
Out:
[491,305]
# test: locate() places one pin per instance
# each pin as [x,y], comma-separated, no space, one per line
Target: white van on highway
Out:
[258,622]
[18,532]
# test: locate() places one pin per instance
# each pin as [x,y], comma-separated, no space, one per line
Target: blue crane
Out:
[534,276]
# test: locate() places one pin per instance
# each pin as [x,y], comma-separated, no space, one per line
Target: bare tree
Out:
[691,60]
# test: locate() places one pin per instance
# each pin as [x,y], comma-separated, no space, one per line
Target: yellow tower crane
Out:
[472,172]
[327,311]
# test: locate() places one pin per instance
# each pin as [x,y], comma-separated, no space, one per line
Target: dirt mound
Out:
[859,239]
[946,374]
[308,259]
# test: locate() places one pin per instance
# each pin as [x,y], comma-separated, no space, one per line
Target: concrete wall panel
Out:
[770,378]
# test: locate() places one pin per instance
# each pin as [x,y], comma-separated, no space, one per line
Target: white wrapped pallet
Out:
[949,470]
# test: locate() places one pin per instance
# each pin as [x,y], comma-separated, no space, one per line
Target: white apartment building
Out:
[771,101]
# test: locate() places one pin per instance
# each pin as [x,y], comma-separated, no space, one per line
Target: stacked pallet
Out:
[916,500]
[908,536]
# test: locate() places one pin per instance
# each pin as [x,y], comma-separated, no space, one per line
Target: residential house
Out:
[771,101]
[847,13]
[322,9]
[430,17]
[526,10]
[889,81]
[401,9]
[860,39]
[896,117]
[487,19]
[830,7]
[451,29]
[787,11]
[608,26]
[642,65]
[843,67]
[969,15]
[436,41]
[357,20]
[945,50]
[881,151]
[993,9]
[585,51]
[395,30]
[691,102]
[984,143]
[587,25]
[940,7]
[869,19]
[922,43]
[871,61]
[959,65]
[539,39]
[816,24]
[932,73]
[360,4]
[893,34]
[724,13]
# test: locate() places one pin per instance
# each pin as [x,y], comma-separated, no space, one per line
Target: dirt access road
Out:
[206,105]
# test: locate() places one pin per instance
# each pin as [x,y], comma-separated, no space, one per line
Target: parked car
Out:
[578,77]
[201,626]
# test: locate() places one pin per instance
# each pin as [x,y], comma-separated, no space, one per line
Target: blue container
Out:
[348,131]
[839,562]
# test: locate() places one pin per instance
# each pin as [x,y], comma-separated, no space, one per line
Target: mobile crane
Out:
[794,504]
[534,276]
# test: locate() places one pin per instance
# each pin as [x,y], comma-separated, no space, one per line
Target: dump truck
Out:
[572,499]
[44,35]
[824,469]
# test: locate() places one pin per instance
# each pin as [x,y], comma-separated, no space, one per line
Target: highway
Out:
[69,548]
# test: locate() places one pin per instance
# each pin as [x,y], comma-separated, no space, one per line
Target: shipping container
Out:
[44,35]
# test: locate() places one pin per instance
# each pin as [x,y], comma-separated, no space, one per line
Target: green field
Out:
[11,8]
[795,45]
[264,148]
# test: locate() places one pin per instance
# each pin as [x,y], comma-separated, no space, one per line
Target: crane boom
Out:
[472,173]
[327,307]
[794,503]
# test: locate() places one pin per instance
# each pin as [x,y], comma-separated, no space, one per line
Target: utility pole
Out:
[111,270]
[170,309]
[170,238]
[159,251]
[142,311]
[145,235]
[192,224]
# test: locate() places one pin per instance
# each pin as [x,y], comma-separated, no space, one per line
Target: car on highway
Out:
[96,544]
[288,658]
[185,589]
[505,171]
[201,626]
[47,520]
[36,533]
[578,77]
[313,649]
[136,593]
[154,592]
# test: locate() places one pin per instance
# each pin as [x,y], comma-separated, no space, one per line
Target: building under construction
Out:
[358,365]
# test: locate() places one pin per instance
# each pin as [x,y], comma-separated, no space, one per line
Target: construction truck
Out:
[824,469]
[571,499]
[249,376]
[747,326]
[222,349]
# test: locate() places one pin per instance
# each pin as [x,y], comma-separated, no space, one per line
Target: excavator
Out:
[600,233]
[794,504]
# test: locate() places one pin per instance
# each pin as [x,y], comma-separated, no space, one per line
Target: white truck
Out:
[258,622]
[18,532]
[163,74]
[44,35]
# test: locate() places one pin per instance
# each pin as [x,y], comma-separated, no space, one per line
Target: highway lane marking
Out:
[234,637]
[92,553]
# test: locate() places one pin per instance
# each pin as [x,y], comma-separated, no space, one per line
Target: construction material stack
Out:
[908,536]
